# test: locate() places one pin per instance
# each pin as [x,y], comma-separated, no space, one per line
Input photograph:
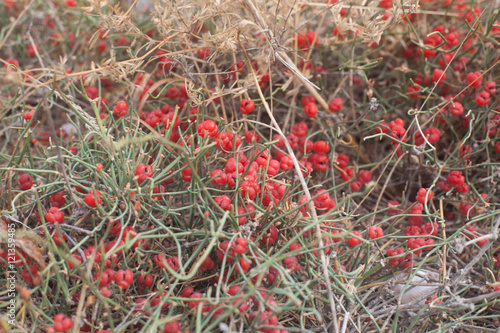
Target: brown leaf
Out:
[32,250]
[26,244]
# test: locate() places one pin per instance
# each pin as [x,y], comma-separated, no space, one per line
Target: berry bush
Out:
[249,166]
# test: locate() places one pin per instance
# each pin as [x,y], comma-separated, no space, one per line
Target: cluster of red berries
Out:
[310,107]
[54,215]
[250,177]
[306,40]
[120,109]
[424,195]
[454,179]
[61,324]
[25,182]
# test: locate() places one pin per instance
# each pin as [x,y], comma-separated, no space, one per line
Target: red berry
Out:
[354,241]
[223,201]
[240,245]
[465,151]
[490,87]
[160,259]
[482,98]
[10,62]
[172,327]
[62,323]
[438,76]
[146,281]
[312,38]
[194,304]
[445,186]
[247,106]
[28,115]
[293,140]
[474,79]
[456,109]
[224,248]
[385,4]
[279,141]
[446,59]
[320,161]
[413,91]
[270,236]
[412,231]
[207,129]
[356,186]
[31,49]
[251,136]
[455,178]
[245,265]
[30,275]
[173,262]
[430,228]
[120,109]
[232,165]
[364,176]
[219,177]
[305,146]
[308,99]
[295,247]
[203,53]
[375,232]
[292,263]
[432,134]
[465,208]
[391,204]
[249,188]
[227,142]
[497,147]
[207,265]
[54,215]
[186,173]
[187,292]
[342,161]
[286,163]
[143,172]
[300,129]
[247,211]
[273,168]
[321,147]
[347,174]
[106,293]
[73,150]
[25,182]
[395,252]
[70,3]
[311,110]
[336,104]
[464,188]
[124,278]
[416,244]
[497,262]
[424,195]
[93,198]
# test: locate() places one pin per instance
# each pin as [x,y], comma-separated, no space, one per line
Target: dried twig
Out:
[456,282]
